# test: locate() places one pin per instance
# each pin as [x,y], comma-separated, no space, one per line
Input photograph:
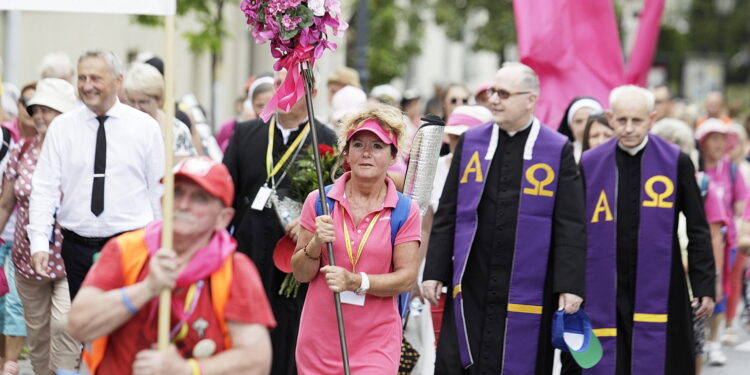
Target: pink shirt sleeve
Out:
[746,211]
[715,211]
[411,230]
[740,190]
[308,215]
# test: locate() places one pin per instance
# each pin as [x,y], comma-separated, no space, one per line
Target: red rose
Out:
[324,150]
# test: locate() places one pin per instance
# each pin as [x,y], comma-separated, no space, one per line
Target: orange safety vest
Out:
[134,253]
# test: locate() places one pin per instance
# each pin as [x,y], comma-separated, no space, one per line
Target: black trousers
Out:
[78,260]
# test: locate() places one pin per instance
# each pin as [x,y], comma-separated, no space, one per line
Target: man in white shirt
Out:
[106,159]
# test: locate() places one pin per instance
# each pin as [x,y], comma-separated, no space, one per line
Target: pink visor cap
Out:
[465,117]
[374,127]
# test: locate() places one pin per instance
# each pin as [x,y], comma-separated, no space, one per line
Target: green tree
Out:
[492,35]
[712,32]
[395,34]
[207,39]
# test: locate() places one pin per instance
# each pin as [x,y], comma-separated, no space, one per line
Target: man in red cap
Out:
[220,314]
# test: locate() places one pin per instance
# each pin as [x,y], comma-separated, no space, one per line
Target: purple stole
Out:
[654,264]
[541,167]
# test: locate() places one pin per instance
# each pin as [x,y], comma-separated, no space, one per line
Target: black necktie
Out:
[100,164]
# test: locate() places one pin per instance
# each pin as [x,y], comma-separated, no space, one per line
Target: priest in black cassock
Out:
[636,185]
[257,231]
[508,240]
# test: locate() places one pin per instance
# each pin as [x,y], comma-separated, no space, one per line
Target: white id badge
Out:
[352,298]
[259,203]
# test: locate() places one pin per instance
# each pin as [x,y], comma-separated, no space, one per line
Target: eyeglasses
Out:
[504,94]
[24,101]
[462,100]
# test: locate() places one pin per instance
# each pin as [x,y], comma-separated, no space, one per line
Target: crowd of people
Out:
[634,211]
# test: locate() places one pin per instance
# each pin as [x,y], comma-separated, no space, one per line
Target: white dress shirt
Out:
[132,188]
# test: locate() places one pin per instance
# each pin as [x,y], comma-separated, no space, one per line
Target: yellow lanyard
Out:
[190,305]
[348,242]
[271,171]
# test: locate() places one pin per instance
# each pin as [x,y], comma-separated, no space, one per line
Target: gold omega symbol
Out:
[658,199]
[538,186]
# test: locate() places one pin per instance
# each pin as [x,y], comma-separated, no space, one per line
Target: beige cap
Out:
[54,93]
[345,76]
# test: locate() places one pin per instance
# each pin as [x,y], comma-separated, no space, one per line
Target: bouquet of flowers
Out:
[303,176]
[298,32]
[304,179]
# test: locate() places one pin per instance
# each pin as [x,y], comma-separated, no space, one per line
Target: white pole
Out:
[168,198]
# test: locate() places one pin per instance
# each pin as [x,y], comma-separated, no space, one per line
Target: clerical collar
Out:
[513,133]
[285,133]
[634,150]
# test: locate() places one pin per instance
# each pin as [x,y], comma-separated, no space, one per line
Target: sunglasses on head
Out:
[504,94]
[462,100]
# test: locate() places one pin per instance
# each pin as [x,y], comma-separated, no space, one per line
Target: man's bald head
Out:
[526,77]
[516,90]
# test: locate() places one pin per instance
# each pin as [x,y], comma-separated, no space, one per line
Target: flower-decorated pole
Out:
[298,32]
[308,78]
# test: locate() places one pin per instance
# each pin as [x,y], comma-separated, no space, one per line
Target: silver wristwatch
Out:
[364,286]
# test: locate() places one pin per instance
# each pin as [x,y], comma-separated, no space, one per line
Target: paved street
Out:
[738,363]
[739,359]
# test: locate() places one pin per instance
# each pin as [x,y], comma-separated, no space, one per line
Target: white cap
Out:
[346,101]
[386,93]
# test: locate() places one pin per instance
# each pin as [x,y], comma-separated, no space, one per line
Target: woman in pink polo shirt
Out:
[372,269]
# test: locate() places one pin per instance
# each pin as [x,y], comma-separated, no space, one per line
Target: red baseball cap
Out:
[210,175]
[373,126]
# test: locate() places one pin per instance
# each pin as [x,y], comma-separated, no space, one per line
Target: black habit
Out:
[258,231]
[487,278]
[680,358]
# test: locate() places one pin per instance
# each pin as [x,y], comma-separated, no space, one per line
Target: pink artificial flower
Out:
[333,6]
[289,22]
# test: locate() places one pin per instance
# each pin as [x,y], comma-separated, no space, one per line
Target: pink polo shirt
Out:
[728,192]
[373,331]
[715,211]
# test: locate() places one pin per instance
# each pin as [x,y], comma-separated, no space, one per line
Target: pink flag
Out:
[574,47]
[644,48]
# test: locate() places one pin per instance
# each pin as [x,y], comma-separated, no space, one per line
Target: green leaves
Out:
[306,14]
[209,15]
[304,178]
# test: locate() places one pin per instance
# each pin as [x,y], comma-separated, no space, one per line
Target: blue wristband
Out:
[126,301]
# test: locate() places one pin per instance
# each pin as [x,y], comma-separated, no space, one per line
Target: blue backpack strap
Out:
[732,171]
[399,215]
[318,208]
[705,180]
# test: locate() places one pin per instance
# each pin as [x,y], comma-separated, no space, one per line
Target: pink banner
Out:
[644,48]
[574,47]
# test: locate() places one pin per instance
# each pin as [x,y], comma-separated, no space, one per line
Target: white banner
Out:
[153,7]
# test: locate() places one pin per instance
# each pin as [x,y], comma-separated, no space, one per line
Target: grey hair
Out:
[677,132]
[56,65]
[529,78]
[619,92]
[109,57]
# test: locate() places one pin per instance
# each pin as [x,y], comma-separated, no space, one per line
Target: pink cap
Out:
[465,117]
[373,126]
[484,87]
[714,125]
